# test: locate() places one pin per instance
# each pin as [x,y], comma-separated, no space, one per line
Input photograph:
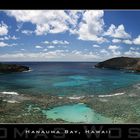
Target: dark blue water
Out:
[67,78]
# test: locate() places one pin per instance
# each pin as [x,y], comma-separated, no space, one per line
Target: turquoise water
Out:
[67,79]
[71,79]
[78,113]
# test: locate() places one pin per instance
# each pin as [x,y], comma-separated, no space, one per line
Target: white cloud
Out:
[57,55]
[46,21]
[113,47]
[57,27]
[38,47]
[74,16]
[45,50]
[132,53]
[129,42]
[92,23]
[76,52]
[116,53]
[3,44]
[104,51]
[114,50]
[136,41]
[46,42]
[116,40]
[27,32]
[96,46]
[91,26]
[60,55]
[86,25]
[9,38]
[57,42]
[134,48]
[51,47]
[42,29]
[58,21]
[61,42]
[3,29]
[126,41]
[14,38]
[19,26]
[117,32]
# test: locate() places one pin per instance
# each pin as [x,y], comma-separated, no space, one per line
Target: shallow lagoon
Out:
[76,113]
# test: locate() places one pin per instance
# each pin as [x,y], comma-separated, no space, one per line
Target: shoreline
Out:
[109,106]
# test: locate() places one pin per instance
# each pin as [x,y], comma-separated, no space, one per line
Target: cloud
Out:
[8,38]
[3,44]
[84,56]
[114,50]
[134,48]
[60,42]
[116,53]
[45,50]
[46,42]
[51,47]
[57,55]
[104,54]
[116,40]
[113,47]
[19,26]
[132,53]
[42,29]
[13,37]
[91,26]
[3,29]
[129,42]
[87,24]
[27,32]
[92,23]
[38,47]
[111,51]
[46,21]
[57,42]
[117,32]
[136,41]
[96,46]
[126,41]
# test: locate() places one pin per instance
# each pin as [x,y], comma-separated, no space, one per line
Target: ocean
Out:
[67,79]
[69,92]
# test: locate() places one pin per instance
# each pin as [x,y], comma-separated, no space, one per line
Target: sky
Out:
[68,35]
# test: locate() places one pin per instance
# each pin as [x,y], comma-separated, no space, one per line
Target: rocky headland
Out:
[126,63]
[4,68]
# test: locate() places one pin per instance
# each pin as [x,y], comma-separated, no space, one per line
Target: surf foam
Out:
[116,94]
[11,101]
[76,97]
[28,70]
[10,93]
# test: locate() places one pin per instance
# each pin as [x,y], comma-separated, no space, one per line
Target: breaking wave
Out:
[10,93]
[116,94]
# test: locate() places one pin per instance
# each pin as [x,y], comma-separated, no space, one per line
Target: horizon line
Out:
[48,61]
